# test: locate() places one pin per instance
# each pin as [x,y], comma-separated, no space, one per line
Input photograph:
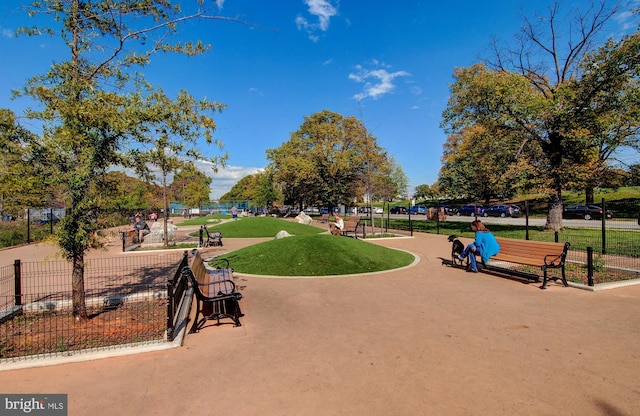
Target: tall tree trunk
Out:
[588,195]
[165,203]
[77,286]
[554,215]
[555,152]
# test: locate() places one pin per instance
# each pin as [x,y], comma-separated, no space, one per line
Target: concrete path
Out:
[429,340]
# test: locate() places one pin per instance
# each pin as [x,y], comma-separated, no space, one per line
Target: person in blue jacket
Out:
[485,245]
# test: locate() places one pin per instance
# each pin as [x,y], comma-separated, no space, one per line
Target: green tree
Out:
[258,188]
[243,190]
[327,161]
[478,166]
[399,179]
[23,182]
[634,175]
[538,91]
[93,105]
[192,185]
[264,193]
[609,94]
[172,129]
[122,192]
[614,178]
[422,191]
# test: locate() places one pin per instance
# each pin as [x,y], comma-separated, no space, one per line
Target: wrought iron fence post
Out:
[170,311]
[28,225]
[386,229]
[556,236]
[590,265]
[17,276]
[604,228]
[526,219]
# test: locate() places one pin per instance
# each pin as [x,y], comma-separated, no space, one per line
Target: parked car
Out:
[378,210]
[418,209]
[586,212]
[469,210]
[503,210]
[448,209]
[398,210]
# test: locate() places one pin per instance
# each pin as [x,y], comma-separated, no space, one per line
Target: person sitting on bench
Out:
[336,227]
[142,227]
[485,245]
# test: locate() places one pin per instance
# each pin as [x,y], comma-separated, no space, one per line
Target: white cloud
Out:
[226,178]
[6,33]
[377,82]
[221,182]
[255,91]
[324,11]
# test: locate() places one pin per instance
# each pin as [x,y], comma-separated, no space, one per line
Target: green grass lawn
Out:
[260,227]
[315,255]
[204,220]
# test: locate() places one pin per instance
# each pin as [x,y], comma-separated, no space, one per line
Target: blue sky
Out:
[387,63]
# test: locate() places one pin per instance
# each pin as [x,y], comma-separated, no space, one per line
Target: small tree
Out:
[92,106]
[171,132]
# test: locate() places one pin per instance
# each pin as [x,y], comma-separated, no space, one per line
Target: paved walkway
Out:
[429,340]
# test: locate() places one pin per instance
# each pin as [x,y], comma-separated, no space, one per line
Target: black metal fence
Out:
[36,224]
[130,299]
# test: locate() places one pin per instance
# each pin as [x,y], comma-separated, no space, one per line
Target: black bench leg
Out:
[194,327]
[564,278]
[546,279]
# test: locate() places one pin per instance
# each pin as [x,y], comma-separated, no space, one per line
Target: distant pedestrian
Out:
[234,212]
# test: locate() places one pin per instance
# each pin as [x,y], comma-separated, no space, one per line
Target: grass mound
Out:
[316,255]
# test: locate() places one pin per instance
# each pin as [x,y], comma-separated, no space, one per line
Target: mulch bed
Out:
[58,331]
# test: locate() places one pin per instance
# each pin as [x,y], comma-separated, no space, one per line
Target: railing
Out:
[176,305]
